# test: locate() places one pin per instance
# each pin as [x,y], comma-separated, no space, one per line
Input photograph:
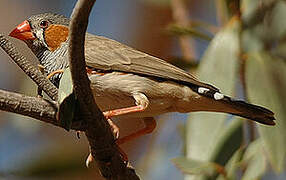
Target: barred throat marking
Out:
[54,60]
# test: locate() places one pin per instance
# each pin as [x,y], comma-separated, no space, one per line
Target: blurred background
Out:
[239,46]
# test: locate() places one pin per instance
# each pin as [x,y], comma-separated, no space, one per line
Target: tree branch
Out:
[101,140]
[28,68]
[34,107]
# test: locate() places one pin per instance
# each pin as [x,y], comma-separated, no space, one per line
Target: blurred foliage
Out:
[248,52]
[268,90]
[190,166]
[190,31]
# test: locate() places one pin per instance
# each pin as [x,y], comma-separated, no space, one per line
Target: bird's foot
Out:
[114,128]
[59,71]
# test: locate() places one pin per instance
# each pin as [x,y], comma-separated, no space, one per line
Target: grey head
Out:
[39,23]
[51,58]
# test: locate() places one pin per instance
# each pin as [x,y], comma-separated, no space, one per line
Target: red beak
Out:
[23,32]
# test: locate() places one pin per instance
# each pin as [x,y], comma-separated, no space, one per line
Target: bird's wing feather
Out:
[106,54]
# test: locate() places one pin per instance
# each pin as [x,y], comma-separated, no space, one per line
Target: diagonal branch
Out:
[103,147]
[34,107]
[32,71]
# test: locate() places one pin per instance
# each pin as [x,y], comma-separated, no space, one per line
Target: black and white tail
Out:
[250,111]
[222,103]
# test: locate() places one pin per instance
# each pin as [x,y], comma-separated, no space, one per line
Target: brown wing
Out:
[106,54]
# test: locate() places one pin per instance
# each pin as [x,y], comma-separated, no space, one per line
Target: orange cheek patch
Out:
[55,35]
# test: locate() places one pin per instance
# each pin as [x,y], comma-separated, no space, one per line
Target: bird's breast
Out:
[114,90]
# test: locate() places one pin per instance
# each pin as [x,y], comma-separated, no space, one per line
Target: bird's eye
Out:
[44,24]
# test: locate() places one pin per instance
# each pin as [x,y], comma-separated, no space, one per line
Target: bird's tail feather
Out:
[250,111]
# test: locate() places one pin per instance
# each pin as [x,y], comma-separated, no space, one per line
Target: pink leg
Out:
[117,112]
[141,104]
[150,125]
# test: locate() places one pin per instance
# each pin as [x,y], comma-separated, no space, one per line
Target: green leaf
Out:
[219,66]
[66,86]
[266,85]
[233,165]
[254,11]
[275,24]
[67,100]
[229,142]
[190,166]
[227,149]
[255,160]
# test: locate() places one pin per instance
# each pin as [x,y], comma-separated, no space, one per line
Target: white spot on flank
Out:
[218,96]
[202,90]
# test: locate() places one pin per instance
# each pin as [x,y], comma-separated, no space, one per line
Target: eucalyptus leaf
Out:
[66,86]
[266,85]
[219,65]
[274,23]
[67,100]
[229,142]
[255,159]
[190,166]
[233,166]
[254,11]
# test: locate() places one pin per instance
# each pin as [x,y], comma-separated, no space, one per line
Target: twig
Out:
[34,107]
[103,146]
[32,71]
[180,16]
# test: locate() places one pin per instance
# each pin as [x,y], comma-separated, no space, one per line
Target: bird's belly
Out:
[114,90]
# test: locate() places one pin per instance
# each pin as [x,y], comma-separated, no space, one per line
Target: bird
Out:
[127,82]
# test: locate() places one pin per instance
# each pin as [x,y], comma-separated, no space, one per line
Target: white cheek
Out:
[40,36]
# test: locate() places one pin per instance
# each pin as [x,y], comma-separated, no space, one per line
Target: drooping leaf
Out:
[219,66]
[226,151]
[190,166]
[266,85]
[67,100]
[66,86]
[233,165]
[255,160]
[230,141]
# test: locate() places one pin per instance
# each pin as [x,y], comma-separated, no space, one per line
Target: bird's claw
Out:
[89,160]
[114,128]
